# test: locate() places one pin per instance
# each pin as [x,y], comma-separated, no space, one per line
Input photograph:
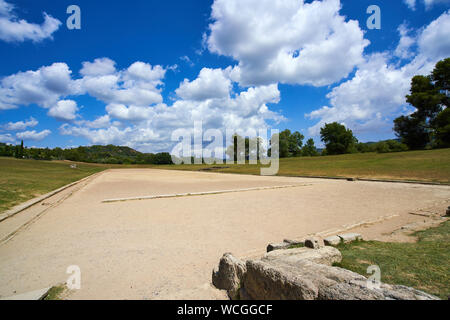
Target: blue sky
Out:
[247,64]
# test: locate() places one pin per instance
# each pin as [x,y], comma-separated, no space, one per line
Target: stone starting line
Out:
[202,193]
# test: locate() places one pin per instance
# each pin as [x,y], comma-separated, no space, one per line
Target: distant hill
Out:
[95,154]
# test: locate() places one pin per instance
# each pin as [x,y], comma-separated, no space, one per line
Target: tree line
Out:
[108,154]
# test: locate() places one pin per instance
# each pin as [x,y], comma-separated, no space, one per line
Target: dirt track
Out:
[166,248]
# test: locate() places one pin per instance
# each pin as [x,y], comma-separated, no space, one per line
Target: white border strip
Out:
[188,194]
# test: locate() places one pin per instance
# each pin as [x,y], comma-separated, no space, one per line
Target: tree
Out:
[429,96]
[309,150]
[442,124]
[412,131]
[245,148]
[338,139]
[290,144]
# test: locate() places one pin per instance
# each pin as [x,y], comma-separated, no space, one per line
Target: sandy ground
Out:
[167,248]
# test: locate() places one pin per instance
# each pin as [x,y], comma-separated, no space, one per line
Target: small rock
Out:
[294,242]
[229,274]
[351,179]
[332,241]
[448,212]
[314,243]
[350,237]
[277,246]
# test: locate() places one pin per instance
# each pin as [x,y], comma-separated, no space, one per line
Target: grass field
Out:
[424,265]
[428,165]
[21,180]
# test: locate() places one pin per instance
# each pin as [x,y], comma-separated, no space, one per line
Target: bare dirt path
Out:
[166,248]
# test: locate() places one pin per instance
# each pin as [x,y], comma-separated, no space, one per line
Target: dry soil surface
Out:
[167,248]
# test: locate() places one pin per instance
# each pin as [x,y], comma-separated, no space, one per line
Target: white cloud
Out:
[286,41]
[99,67]
[7,138]
[187,60]
[137,85]
[411,4]
[33,135]
[100,122]
[151,127]
[377,91]
[428,3]
[131,113]
[13,29]
[64,110]
[20,125]
[210,83]
[434,42]
[403,49]
[43,87]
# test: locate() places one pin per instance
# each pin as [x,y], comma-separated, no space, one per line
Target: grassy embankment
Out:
[428,165]
[424,265]
[21,180]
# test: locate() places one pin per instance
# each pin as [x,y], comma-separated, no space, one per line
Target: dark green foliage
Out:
[338,139]
[289,144]
[309,150]
[429,95]
[442,124]
[109,154]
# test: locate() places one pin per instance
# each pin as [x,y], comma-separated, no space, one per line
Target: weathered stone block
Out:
[349,237]
[332,241]
[314,243]
[229,274]
[277,246]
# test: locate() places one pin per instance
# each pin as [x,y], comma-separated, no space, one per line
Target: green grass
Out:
[56,292]
[424,265]
[427,165]
[21,180]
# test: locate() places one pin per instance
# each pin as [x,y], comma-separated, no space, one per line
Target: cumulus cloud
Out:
[377,91]
[13,29]
[20,125]
[150,129]
[64,110]
[137,85]
[7,138]
[100,122]
[33,135]
[288,41]
[403,49]
[428,3]
[434,42]
[43,87]
[99,67]
[210,83]
[411,4]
